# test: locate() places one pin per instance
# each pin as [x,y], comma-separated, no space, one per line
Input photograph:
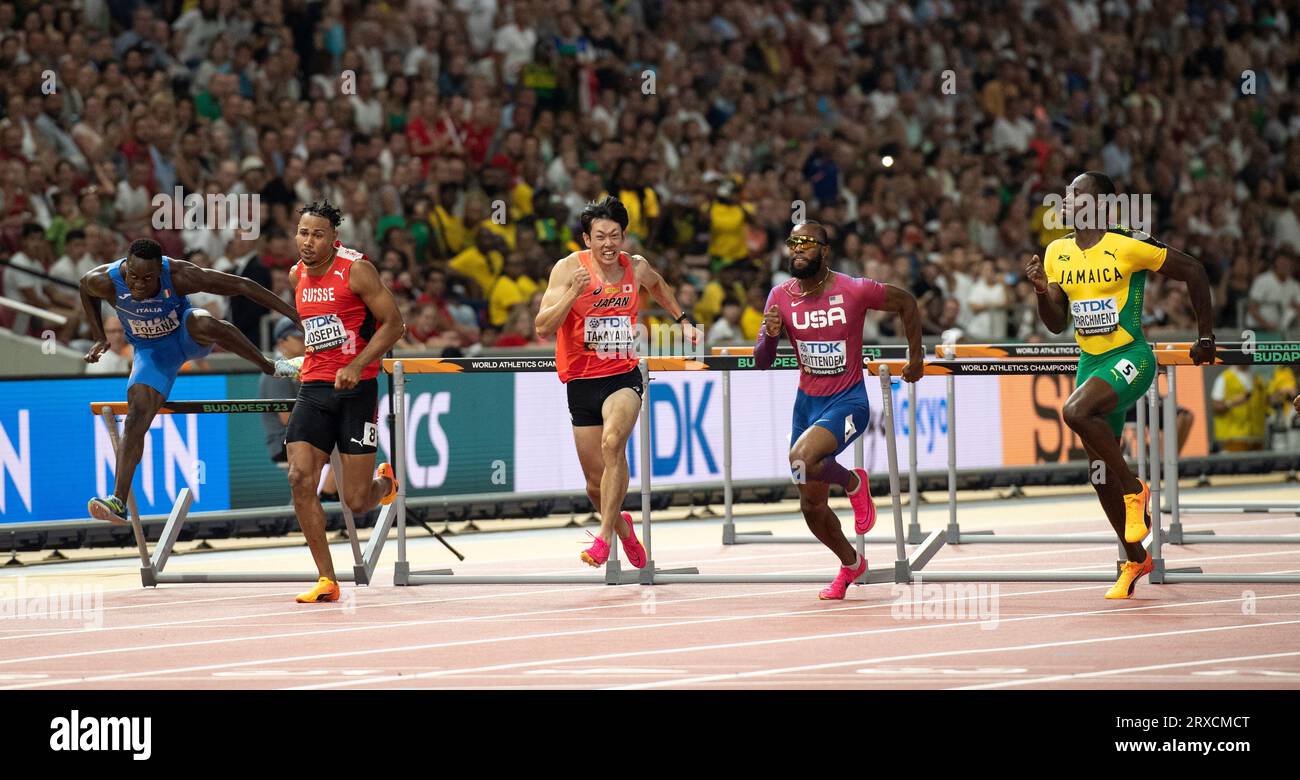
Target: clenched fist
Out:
[1036,275]
[581,278]
[772,321]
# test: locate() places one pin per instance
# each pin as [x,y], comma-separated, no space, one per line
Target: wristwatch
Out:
[1206,341]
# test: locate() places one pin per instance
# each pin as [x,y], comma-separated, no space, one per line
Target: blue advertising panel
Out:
[55,456]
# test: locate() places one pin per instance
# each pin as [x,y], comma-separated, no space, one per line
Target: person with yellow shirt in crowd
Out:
[1096,277]
[726,217]
[482,262]
[727,284]
[752,318]
[1281,388]
[448,235]
[513,287]
[641,202]
[1240,406]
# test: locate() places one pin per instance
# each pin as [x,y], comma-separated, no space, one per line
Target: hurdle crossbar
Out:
[1170,356]
[153,566]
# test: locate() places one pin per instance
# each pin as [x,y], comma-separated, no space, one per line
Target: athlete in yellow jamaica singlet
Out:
[1096,277]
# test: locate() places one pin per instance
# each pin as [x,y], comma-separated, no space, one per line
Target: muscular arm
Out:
[1054,307]
[765,349]
[96,285]
[902,303]
[557,300]
[364,281]
[649,278]
[188,278]
[1184,268]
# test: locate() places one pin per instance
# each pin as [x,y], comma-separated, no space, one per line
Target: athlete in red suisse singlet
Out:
[349,320]
[332,316]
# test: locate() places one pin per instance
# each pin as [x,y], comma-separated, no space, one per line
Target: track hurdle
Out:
[786,360]
[614,575]
[1171,355]
[152,566]
[981,359]
[954,368]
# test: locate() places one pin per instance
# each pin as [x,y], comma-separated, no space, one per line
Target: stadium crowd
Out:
[462,137]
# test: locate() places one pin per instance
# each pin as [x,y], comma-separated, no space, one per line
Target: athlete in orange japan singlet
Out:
[349,320]
[590,307]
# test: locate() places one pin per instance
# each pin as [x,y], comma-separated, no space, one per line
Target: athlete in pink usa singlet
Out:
[822,312]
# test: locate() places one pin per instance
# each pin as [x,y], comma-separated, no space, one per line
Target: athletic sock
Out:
[857,561]
[833,473]
[855,492]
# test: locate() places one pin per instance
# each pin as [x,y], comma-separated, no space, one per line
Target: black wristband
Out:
[684,316]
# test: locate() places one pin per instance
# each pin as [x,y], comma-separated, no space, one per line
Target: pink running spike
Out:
[864,509]
[597,553]
[631,545]
[835,591]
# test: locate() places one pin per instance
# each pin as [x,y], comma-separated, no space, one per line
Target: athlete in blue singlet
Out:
[148,291]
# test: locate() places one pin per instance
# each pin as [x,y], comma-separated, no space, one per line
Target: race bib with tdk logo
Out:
[1095,316]
[152,329]
[823,357]
[605,334]
[323,332]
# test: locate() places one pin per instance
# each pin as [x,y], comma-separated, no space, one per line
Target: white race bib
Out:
[1127,371]
[608,333]
[323,332]
[152,329]
[823,357]
[1095,316]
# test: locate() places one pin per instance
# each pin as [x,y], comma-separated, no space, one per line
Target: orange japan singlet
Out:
[598,337]
[336,323]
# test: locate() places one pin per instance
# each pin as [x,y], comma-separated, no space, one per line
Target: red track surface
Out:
[1055,635]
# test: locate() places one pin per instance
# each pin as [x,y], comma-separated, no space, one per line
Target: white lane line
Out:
[786,640]
[457,643]
[1129,670]
[944,654]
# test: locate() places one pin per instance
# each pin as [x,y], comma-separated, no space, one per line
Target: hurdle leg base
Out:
[728,533]
[148,577]
[359,574]
[401,573]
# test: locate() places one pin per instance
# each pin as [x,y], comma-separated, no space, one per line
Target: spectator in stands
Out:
[119,357]
[288,344]
[243,260]
[989,301]
[514,287]
[726,329]
[1275,297]
[1239,403]
[27,280]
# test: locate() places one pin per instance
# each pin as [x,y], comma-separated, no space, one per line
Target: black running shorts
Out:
[587,396]
[324,417]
